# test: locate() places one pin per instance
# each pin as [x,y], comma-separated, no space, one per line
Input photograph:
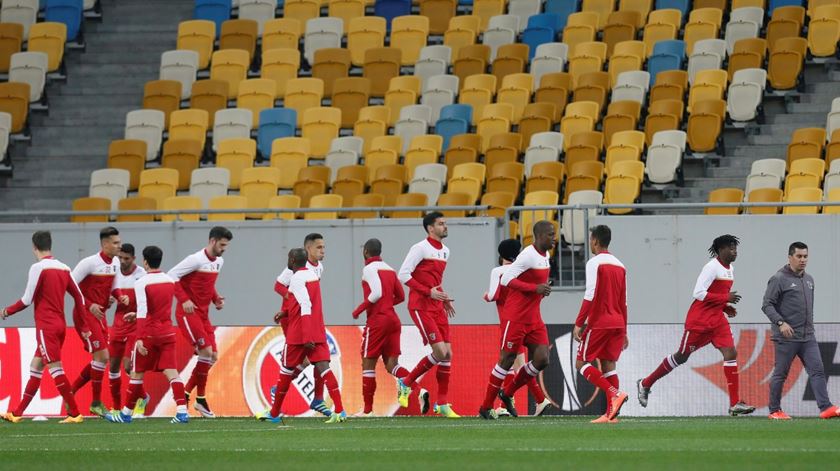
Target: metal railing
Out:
[586,209]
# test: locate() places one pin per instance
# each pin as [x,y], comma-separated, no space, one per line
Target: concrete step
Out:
[124,57]
[62,133]
[714,182]
[798,118]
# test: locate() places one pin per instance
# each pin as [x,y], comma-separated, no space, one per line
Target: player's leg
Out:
[368,384]
[201,335]
[611,375]
[785,352]
[597,343]
[443,375]
[721,338]
[291,358]
[690,342]
[494,384]
[432,336]
[535,336]
[320,358]
[177,387]
[115,353]
[36,371]
[542,402]
[63,385]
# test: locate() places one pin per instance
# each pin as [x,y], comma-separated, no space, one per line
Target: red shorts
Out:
[293,355]
[516,335]
[433,325]
[160,355]
[121,347]
[381,337]
[49,344]
[98,339]
[601,344]
[719,337]
[198,330]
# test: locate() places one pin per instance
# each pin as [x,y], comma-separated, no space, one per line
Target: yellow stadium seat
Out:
[182,155]
[545,176]
[511,59]
[584,147]
[49,38]
[626,57]
[663,115]
[764,195]
[11,39]
[410,199]
[163,95]
[128,154]
[496,118]
[580,116]
[439,13]
[409,33]
[367,200]
[389,188]
[136,204]
[303,94]
[283,202]
[621,189]
[280,65]
[503,148]
[454,199]
[748,53]
[467,185]
[592,86]
[669,85]
[725,195]
[210,96]
[289,154]
[833,196]
[347,10]
[801,180]
[708,85]
[516,91]
[587,57]
[384,150]
[462,31]
[662,25]
[189,124]
[236,155]
[239,34]
[555,88]
[231,67]
[486,9]
[642,7]
[350,95]
[423,149]
[471,60]
[320,126]
[498,202]
[179,203]
[365,33]
[256,95]
[462,148]
[330,65]
[625,145]
[621,26]
[158,184]
[810,166]
[806,143]
[824,31]
[621,116]
[584,176]
[505,177]
[803,195]
[372,122]
[528,218]
[301,10]
[786,62]
[786,22]
[601,8]
[536,117]
[259,185]
[478,92]
[402,91]
[281,33]
[228,202]
[91,204]
[381,64]
[705,124]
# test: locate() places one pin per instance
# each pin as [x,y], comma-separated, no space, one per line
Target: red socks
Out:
[612,378]
[399,372]
[319,384]
[97,372]
[198,379]
[536,390]
[115,383]
[177,387]
[425,365]
[31,389]
[730,369]
[525,374]
[595,377]
[135,389]
[443,372]
[82,380]
[667,365]
[63,387]
[332,387]
[497,377]
[283,383]
[368,389]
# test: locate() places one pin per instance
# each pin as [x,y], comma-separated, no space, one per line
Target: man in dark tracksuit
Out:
[789,304]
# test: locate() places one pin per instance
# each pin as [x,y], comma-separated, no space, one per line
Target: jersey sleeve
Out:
[495,286]
[588,295]
[414,257]
[182,269]
[78,302]
[524,261]
[298,289]
[371,277]
[29,292]
[142,307]
[399,294]
[704,281]
[82,270]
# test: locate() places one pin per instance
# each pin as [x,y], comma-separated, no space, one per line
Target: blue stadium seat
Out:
[217,11]
[667,55]
[454,119]
[541,29]
[68,12]
[681,5]
[562,8]
[390,9]
[274,124]
[784,3]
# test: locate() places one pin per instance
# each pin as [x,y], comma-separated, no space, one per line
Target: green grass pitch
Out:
[436,443]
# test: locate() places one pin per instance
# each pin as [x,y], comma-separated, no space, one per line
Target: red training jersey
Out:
[46,285]
[306,318]
[125,284]
[195,280]
[711,295]
[96,276]
[605,300]
[381,290]
[154,293]
[281,287]
[496,292]
[421,271]
[530,269]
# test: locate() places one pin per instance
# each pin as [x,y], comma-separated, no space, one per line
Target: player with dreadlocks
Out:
[707,323]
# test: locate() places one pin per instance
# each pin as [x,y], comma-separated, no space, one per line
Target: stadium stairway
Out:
[782,115]
[88,111]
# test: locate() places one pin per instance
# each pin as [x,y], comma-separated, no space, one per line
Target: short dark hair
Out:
[42,241]
[311,237]
[602,234]
[509,249]
[107,232]
[723,241]
[127,248]
[220,232]
[373,247]
[796,246]
[153,255]
[299,257]
[542,227]
[430,218]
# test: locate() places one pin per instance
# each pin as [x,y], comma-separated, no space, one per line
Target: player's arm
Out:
[399,294]
[78,304]
[589,294]
[414,257]
[298,289]
[82,270]
[281,285]
[32,280]
[523,263]
[772,296]
[142,308]
[495,287]
[370,277]
[701,288]
[217,299]
[182,269]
